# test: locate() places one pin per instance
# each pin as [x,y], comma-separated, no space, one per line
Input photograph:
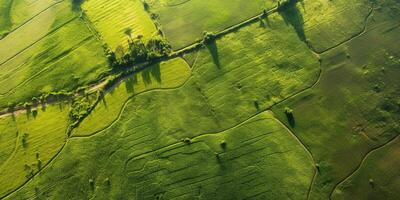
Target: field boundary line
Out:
[125,104]
[39,39]
[358,34]
[31,18]
[49,67]
[377,148]
[315,173]
[41,169]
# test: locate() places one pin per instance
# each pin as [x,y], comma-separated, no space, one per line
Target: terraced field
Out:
[190,99]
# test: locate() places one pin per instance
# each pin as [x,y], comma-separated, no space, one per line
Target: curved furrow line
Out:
[49,67]
[30,19]
[307,149]
[124,106]
[14,150]
[38,40]
[362,32]
[362,162]
[40,170]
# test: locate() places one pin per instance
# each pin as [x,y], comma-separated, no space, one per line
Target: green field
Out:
[49,60]
[376,178]
[191,99]
[360,84]
[162,76]
[184,22]
[15,13]
[112,18]
[33,139]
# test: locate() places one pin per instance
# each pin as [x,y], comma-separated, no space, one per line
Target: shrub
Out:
[79,110]
[223,144]
[187,141]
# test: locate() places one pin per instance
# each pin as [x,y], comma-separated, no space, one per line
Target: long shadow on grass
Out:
[151,74]
[129,85]
[292,16]
[76,4]
[213,49]
[155,72]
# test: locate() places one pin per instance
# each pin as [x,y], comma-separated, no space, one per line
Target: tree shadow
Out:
[103,100]
[76,4]
[213,49]
[155,72]
[146,77]
[291,120]
[293,16]
[34,113]
[129,85]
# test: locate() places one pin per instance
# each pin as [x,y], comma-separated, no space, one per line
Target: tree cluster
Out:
[138,51]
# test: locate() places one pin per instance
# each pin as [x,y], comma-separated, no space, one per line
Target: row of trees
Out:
[139,50]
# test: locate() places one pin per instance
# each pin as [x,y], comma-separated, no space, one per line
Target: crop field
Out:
[49,60]
[184,21]
[18,12]
[199,99]
[113,18]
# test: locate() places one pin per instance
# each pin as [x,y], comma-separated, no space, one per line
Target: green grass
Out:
[53,64]
[227,79]
[183,24]
[14,13]
[168,74]
[8,137]
[377,178]
[112,18]
[354,107]
[34,31]
[254,114]
[65,57]
[326,23]
[5,21]
[260,155]
[36,138]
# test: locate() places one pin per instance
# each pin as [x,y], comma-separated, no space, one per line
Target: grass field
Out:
[155,120]
[35,138]
[183,22]
[34,30]
[49,61]
[377,177]
[15,13]
[165,75]
[299,103]
[112,18]
[259,149]
[326,23]
[353,105]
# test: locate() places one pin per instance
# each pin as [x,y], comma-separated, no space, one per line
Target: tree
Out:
[208,37]
[128,32]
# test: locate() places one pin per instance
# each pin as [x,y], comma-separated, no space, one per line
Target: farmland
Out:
[192,99]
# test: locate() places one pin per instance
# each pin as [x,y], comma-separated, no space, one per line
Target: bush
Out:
[79,110]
